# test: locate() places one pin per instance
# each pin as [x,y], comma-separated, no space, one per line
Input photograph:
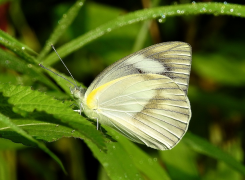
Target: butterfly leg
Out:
[97,124]
[75,105]
[80,110]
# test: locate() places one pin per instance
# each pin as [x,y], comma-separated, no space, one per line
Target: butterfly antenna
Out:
[57,74]
[64,64]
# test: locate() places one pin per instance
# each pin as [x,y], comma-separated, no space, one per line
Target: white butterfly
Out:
[144,95]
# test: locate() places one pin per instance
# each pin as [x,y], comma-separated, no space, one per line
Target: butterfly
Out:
[143,96]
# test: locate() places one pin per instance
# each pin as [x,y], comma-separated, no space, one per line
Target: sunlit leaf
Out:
[27,100]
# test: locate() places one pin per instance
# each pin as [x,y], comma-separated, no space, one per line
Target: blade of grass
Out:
[17,47]
[142,15]
[6,36]
[10,61]
[204,147]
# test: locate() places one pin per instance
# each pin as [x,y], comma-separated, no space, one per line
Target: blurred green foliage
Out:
[88,38]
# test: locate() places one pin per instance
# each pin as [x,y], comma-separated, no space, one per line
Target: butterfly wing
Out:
[147,108]
[172,59]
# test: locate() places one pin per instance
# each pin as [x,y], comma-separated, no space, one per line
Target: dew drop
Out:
[57,125]
[231,10]
[105,164]
[193,2]
[72,131]
[155,159]
[81,3]
[29,65]
[23,48]
[225,2]
[109,30]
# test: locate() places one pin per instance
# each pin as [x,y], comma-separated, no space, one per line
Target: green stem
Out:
[142,15]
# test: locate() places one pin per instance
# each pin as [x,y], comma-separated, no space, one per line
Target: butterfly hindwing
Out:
[147,108]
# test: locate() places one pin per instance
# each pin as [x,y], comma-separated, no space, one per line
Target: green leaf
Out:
[116,161]
[181,162]
[27,100]
[7,122]
[50,132]
[40,130]
[7,144]
[148,166]
[202,146]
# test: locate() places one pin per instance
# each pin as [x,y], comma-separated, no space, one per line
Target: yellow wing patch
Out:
[91,101]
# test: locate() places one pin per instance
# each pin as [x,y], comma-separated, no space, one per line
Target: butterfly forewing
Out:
[147,108]
[171,59]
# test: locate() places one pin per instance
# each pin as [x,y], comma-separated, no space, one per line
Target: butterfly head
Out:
[78,94]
